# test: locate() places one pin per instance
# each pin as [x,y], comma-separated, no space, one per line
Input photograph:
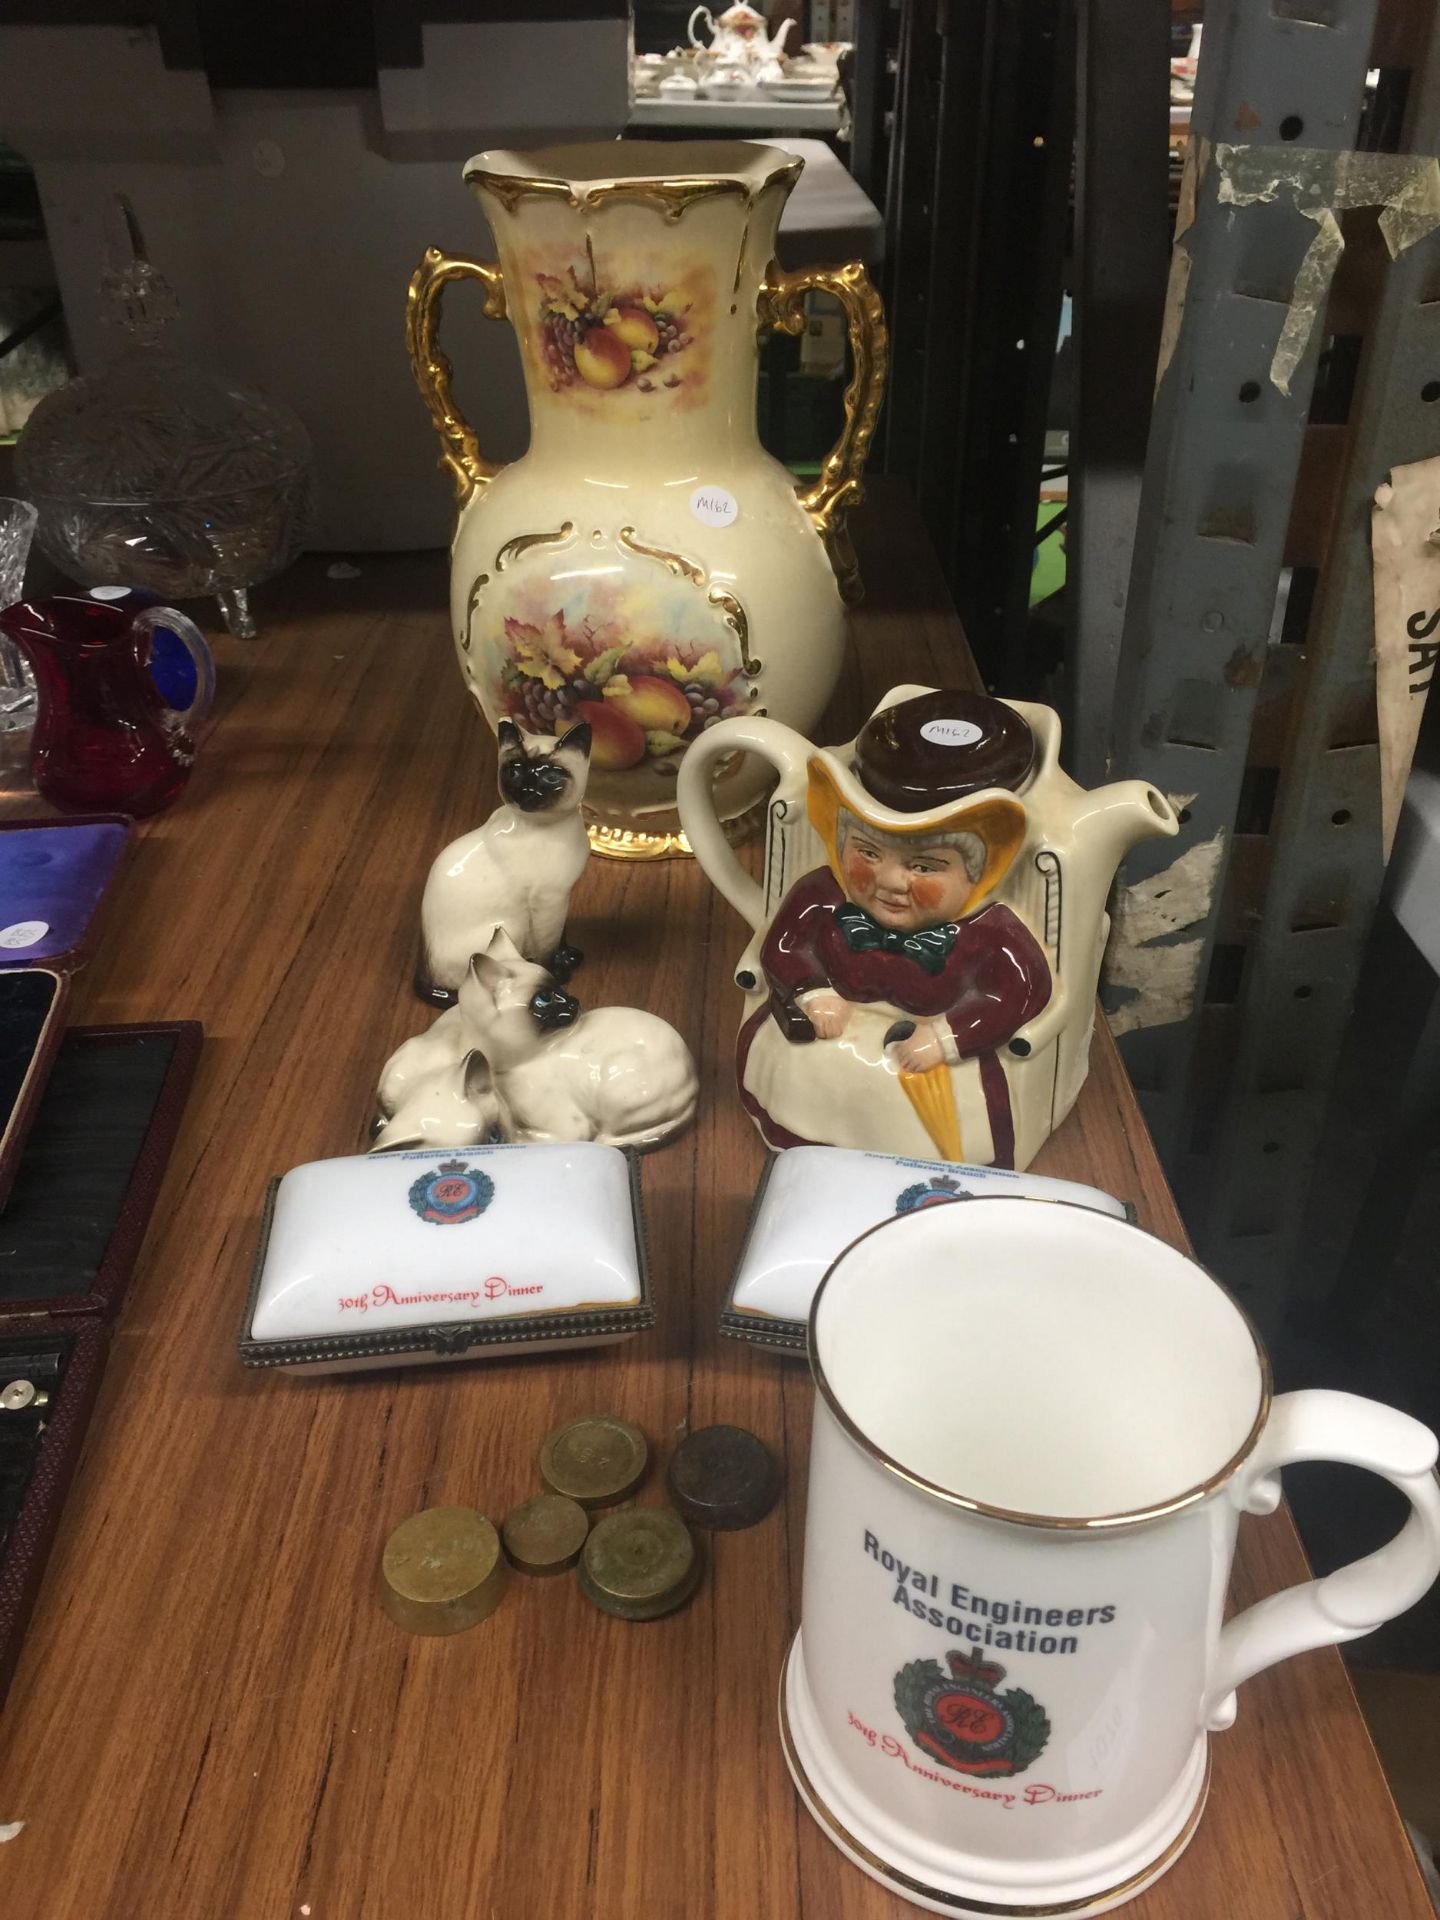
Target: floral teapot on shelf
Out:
[926,944]
[738,36]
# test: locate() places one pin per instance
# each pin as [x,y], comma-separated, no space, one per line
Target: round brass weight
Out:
[640,1564]
[597,1461]
[545,1533]
[442,1571]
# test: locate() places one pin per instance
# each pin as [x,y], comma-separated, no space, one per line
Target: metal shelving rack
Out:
[1245,685]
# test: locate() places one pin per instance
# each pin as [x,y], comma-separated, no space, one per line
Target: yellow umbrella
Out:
[931,1093]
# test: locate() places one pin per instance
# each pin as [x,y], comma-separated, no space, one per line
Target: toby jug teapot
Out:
[926,945]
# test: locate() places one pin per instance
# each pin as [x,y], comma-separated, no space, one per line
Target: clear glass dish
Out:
[161,472]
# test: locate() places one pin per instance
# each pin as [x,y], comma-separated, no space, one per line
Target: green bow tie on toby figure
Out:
[929,946]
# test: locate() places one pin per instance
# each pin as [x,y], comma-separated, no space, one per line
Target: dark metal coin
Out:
[640,1564]
[724,1478]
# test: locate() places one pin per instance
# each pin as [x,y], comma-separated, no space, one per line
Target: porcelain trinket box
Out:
[813,1201]
[399,1259]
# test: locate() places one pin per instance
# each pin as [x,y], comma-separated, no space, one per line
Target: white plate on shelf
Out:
[817,90]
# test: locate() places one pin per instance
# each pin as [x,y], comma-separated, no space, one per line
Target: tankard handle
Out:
[695,801]
[838,488]
[431,366]
[1355,1599]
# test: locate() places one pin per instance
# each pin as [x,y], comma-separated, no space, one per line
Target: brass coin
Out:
[442,1571]
[723,1478]
[545,1533]
[596,1461]
[640,1564]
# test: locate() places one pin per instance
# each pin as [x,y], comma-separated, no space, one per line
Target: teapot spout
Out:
[1118,817]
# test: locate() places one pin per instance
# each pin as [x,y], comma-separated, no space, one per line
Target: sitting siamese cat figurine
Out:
[515,872]
[617,1075]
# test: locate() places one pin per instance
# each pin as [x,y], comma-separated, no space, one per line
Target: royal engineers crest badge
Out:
[451,1193]
[929,1193]
[961,1720]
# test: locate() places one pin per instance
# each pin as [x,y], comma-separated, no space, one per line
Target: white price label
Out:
[714,506]
[951,733]
[23,933]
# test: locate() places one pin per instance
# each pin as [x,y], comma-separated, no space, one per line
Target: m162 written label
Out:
[714,506]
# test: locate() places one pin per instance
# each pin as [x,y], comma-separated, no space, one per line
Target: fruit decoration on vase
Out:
[642,696]
[606,337]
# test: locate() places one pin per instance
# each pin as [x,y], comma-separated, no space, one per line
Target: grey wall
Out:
[289,223]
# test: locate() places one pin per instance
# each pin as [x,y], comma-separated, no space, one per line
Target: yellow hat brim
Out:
[997,818]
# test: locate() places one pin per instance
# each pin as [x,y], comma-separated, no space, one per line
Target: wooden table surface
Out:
[212,1720]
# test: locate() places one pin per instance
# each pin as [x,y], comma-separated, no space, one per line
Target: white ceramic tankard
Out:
[1035,1430]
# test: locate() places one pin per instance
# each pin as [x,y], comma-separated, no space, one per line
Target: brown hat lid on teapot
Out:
[939,747]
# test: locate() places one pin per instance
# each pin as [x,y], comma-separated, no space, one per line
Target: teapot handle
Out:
[695,799]
[195,644]
[431,366]
[838,487]
[690,30]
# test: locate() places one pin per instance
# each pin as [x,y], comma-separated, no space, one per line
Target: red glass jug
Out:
[105,737]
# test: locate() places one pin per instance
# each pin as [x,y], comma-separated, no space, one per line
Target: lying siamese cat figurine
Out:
[515,872]
[436,1091]
[517,1060]
[618,1075]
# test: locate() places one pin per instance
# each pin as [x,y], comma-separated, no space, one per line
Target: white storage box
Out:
[402,1258]
[813,1201]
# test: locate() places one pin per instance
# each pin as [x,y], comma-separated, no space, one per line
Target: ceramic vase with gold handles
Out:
[646,566]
